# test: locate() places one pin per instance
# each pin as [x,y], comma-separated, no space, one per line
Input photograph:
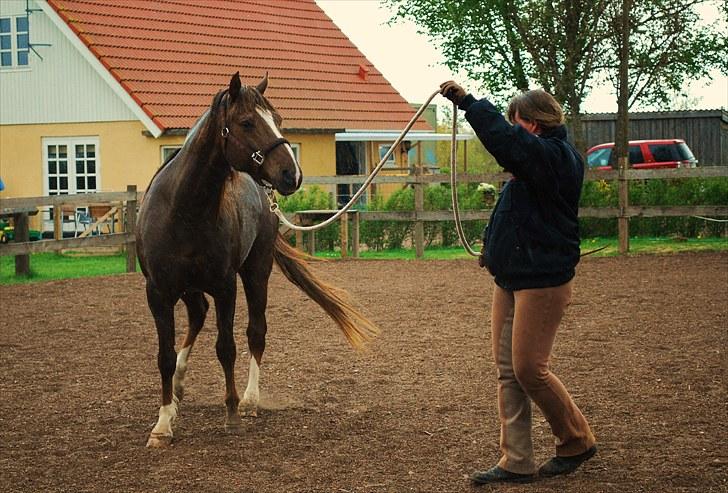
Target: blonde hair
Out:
[536,106]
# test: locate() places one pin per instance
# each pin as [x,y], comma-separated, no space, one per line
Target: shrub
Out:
[313,198]
[665,192]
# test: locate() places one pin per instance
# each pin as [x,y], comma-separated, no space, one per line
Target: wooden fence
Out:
[21,208]
[419,216]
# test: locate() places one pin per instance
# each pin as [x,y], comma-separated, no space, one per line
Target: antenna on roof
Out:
[32,46]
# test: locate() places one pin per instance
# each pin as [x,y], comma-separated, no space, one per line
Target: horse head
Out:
[252,140]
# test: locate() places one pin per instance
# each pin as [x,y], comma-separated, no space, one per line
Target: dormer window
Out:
[14,42]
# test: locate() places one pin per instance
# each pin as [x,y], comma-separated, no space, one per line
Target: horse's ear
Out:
[263,84]
[235,85]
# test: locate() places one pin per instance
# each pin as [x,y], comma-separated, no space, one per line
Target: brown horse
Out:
[204,221]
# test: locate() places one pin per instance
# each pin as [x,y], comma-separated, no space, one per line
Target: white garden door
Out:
[70,166]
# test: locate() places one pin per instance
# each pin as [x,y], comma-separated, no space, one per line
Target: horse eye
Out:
[247,123]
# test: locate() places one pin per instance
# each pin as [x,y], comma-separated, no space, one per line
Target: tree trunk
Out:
[621,141]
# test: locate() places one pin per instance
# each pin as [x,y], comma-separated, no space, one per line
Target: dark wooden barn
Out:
[705,131]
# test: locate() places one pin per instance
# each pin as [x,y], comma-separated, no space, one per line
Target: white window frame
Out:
[296,146]
[14,50]
[163,150]
[70,143]
[389,163]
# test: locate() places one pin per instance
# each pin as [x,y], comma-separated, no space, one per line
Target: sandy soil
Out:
[642,349]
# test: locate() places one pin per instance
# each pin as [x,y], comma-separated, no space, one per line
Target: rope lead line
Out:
[453,184]
[453,155]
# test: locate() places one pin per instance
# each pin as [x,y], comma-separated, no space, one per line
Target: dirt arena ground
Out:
[642,349]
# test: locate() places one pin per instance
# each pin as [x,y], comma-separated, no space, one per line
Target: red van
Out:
[644,154]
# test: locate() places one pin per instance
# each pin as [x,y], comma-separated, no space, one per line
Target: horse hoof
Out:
[234,427]
[159,441]
[251,413]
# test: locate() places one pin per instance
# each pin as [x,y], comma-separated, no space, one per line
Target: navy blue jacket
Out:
[532,238]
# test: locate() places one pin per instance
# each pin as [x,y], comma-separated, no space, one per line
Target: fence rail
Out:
[21,208]
[419,215]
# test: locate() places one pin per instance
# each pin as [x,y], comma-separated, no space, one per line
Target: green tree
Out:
[478,159]
[569,46]
[668,46]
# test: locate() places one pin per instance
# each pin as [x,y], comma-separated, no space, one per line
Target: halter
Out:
[258,156]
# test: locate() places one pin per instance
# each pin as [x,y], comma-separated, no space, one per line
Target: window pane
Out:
[600,157]
[52,168]
[62,151]
[80,185]
[684,152]
[91,183]
[5,42]
[51,152]
[79,167]
[80,150]
[64,183]
[53,183]
[662,152]
[22,41]
[6,59]
[5,25]
[635,155]
[90,150]
[21,23]
[90,166]
[63,167]
[22,58]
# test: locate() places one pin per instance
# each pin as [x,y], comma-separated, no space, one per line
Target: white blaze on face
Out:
[268,117]
[252,394]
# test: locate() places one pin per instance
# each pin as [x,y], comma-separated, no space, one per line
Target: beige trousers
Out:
[524,325]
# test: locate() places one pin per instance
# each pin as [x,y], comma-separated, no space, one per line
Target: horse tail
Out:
[357,329]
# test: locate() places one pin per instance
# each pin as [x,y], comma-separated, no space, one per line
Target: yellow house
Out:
[95,95]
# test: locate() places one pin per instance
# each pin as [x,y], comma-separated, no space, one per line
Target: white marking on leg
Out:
[178,381]
[252,393]
[268,117]
[167,416]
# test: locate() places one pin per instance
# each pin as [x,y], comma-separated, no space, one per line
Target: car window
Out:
[635,155]
[600,157]
[664,152]
[684,151]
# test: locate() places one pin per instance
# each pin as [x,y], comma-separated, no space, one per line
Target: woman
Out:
[531,247]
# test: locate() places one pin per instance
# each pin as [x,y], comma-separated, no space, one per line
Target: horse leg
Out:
[254,275]
[226,353]
[197,307]
[162,308]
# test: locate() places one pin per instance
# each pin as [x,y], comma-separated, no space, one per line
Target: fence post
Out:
[298,235]
[312,243]
[344,234]
[623,219]
[355,235]
[57,222]
[419,207]
[130,228]
[22,234]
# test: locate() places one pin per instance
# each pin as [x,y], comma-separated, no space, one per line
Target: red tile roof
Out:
[171,56]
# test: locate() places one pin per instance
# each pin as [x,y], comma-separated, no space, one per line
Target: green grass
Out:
[636,246]
[50,266]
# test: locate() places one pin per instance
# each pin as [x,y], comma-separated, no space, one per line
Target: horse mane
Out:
[249,98]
